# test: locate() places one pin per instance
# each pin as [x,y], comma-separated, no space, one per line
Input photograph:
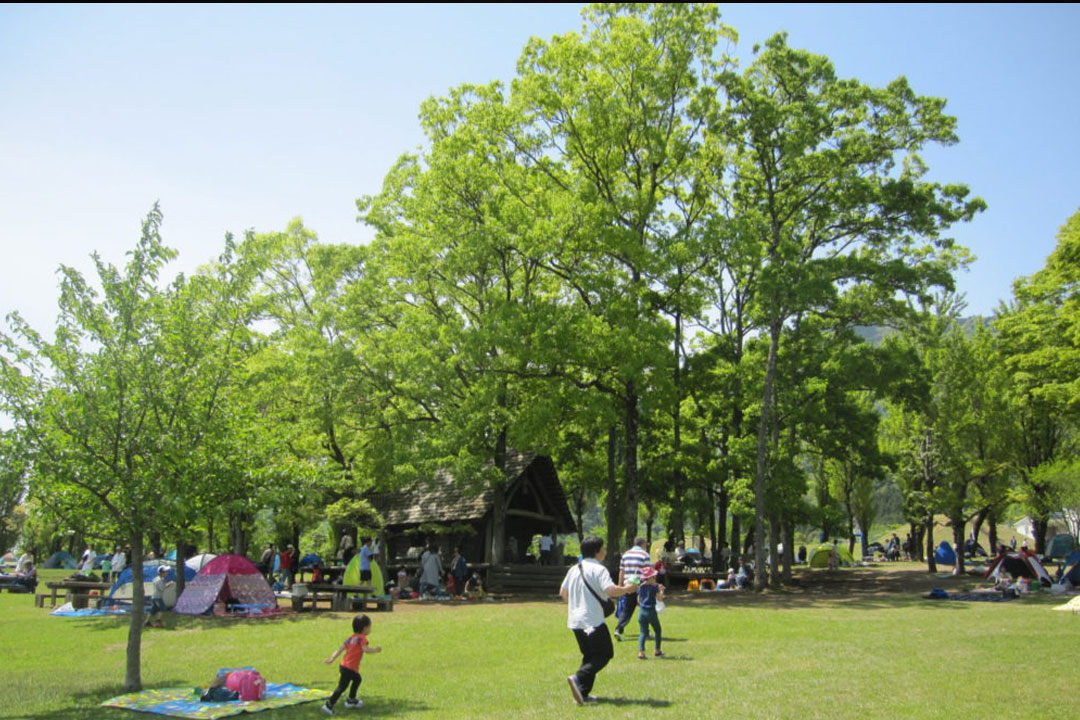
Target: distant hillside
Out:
[874,334]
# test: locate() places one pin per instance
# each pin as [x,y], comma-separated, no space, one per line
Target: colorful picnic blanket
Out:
[91,612]
[184,701]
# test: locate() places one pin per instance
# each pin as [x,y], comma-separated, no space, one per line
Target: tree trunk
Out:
[133,669]
[736,543]
[789,549]
[238,533]
[977,522]
[611,506]
[931,562]
[1041,525]
[210,544]
[677,481]
[497,551]
[579,513]
[181,558]
[630,493]
[958,542]
[760,579]
[715,555]
[992,533]
[722,525]
[774,555]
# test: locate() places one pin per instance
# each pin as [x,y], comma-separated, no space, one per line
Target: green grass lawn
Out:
[824,651]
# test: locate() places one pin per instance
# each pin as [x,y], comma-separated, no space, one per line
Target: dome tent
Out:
[123,589]
[60,559]
[228,578]
[198,562]
[1060,546]
[945,553]
[819,556]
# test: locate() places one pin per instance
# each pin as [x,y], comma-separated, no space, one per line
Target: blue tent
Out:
[1061,546]
[122,589]
[309,561]
[61,559]
[945,554]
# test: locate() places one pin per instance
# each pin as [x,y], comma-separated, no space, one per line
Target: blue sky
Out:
[241,117]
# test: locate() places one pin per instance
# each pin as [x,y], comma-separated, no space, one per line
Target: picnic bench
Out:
[372,603]
[313,599]
[12,583]
[329,573]
[339,598]
[74,591]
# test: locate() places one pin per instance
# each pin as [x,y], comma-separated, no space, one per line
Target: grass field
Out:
[855,643]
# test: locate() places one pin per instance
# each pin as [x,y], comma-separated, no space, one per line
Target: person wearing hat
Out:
[157,597]
[649,594]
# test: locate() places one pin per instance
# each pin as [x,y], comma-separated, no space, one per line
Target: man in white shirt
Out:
[583,588]
[86,563]
[119,561]
[546,543]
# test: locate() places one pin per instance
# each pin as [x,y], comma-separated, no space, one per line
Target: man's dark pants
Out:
[627,603]
[596,652]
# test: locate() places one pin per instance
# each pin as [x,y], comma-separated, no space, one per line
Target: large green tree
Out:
[1040,338]
[112,408]
[827,181]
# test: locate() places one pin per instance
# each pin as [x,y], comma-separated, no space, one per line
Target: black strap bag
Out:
[607,604]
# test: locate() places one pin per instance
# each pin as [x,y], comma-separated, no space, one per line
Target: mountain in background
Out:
[874,334]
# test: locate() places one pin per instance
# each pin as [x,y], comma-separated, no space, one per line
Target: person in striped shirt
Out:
[631,563]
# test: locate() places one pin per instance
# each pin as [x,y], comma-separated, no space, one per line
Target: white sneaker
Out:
[618,635]
[354,703]
[575,690]
[326,709]
[591,699]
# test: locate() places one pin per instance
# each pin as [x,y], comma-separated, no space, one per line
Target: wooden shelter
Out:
[450,513]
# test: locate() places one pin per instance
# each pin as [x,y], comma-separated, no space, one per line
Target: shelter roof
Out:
[442,499]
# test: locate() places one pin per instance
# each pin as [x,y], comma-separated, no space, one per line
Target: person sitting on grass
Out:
[28,579]
[474,587]
[157,598]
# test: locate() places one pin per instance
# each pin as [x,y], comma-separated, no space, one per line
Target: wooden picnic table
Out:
[74,587]
[13,583]
[341,593]
[329,574]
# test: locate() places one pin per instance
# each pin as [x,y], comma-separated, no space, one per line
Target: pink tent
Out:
[232,579]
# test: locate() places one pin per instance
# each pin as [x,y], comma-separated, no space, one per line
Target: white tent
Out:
[196,563]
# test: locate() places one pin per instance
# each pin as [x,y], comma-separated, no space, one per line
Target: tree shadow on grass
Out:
[88,704]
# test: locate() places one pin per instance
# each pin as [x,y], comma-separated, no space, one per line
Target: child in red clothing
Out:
[354,648]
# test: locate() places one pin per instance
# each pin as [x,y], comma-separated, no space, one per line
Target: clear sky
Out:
[242,117]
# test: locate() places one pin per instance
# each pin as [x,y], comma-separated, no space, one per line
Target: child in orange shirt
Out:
[354,648]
